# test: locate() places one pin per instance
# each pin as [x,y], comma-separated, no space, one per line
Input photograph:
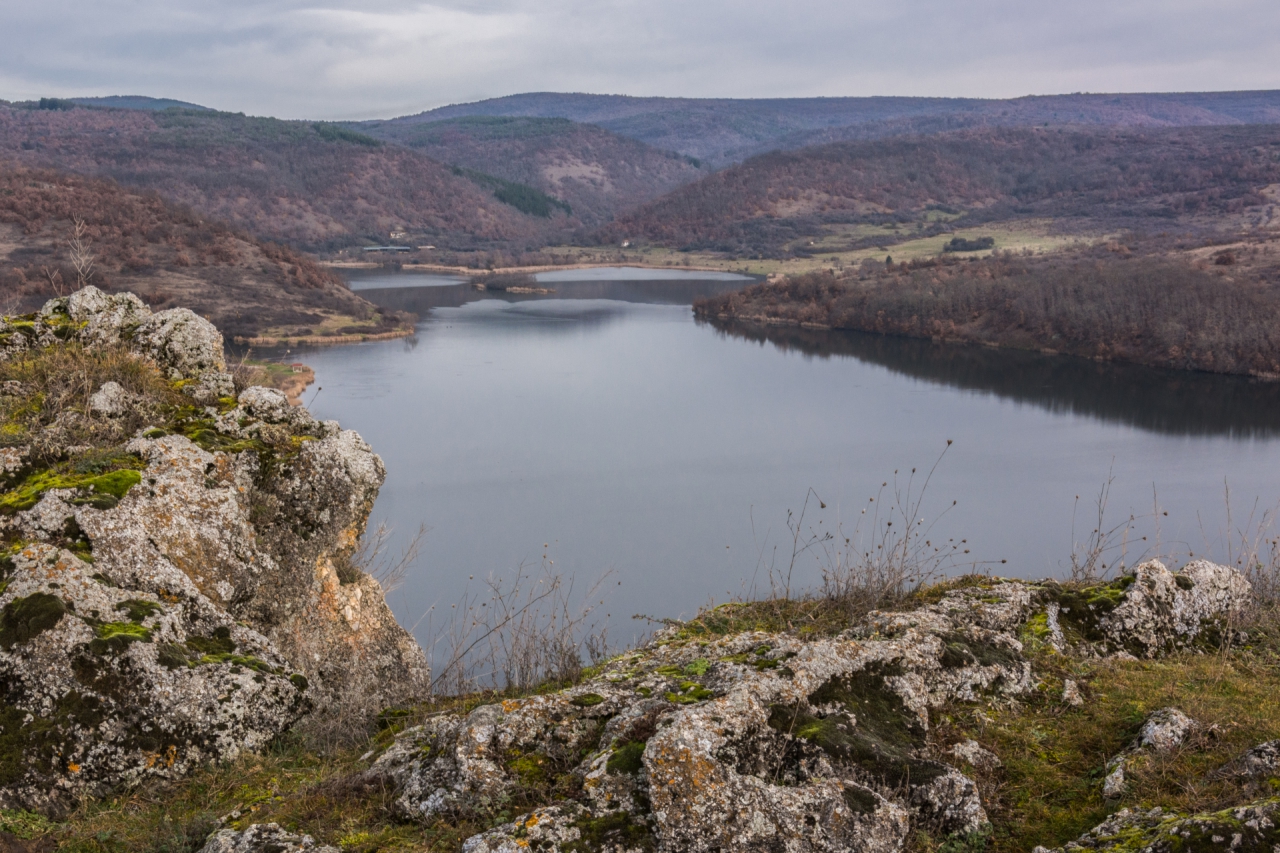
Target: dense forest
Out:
[1093,179]
[59,232]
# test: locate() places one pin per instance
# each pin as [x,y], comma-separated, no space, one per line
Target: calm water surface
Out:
[604,421]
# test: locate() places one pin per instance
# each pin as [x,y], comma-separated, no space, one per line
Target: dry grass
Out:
[518,633]
[48,408]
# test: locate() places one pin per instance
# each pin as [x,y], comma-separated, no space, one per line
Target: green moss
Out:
[530,769]
[115,637]
[39,744]
[627,758]
[219,644]
[102,491]
[24,824]
[173,656]
[299,681]
[689,693]
[245,661]
[697,667]
[961,651]
[138,609]
[876,732]
[586,700]
[613,830]
[24,619]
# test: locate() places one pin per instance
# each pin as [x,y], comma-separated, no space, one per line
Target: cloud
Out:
[339,59]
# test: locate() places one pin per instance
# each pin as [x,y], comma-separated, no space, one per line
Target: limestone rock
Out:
[263,838]
[1258,764]
[764,741]
[1162,610]
[1255,826]
[110,400]
[1071,693]
[182,342]
[1163,731]
[12,461]
[976,755]
[107,684]
[752,740]
[239,517]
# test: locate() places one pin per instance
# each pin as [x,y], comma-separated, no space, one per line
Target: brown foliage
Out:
[1148,309]
[287,181]
[1108,176]
[166,253]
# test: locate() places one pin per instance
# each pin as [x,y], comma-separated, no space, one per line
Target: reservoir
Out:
[601,425]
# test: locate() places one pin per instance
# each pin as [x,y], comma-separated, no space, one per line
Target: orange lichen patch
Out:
[73,767]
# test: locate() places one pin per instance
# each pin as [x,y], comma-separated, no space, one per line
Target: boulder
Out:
[1257,765]
[259,504]
[1255,826]
[1163,731]
[1162,610]
[263,838]
[106,684]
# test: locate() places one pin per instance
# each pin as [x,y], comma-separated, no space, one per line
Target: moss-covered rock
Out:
[93,698]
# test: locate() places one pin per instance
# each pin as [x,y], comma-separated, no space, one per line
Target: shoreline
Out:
[321,340]
[473,272]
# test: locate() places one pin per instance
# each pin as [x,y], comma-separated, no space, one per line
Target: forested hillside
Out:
[313,185]
[596,172]
[1084,179]
[723,131]
[60,231]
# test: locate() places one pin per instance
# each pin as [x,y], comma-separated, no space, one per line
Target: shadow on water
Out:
[420,300]
[1172,402]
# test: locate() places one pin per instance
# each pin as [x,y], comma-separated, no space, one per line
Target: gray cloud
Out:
[335,59]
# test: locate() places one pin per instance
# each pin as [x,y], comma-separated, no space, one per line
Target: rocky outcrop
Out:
[764,741]
[1253,827]
[187,593]
[107,684]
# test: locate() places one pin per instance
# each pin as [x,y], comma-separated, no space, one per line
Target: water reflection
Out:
[1173,402]
[421,300]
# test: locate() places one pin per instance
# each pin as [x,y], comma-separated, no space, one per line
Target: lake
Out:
[606,423]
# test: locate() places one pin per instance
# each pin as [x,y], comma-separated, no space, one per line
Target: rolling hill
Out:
[1082,179]
[168,255]
[724,131]
[598,173]
[315,186]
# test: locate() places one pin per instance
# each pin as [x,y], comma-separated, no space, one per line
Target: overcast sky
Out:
[343,59]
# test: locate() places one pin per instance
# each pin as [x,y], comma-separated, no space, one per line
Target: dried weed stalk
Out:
[519,632]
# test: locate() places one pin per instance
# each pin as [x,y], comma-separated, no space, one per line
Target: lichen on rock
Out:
[263,838]
[172,596]
[762,741]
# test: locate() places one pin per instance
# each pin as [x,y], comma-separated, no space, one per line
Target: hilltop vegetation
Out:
[166,254]
[313,185]
[595,172]
[1209,309]
[1087,181]
[722,131]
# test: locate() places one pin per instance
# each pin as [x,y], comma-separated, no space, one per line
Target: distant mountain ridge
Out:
[1107,177]
[726,130]
[136,102]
